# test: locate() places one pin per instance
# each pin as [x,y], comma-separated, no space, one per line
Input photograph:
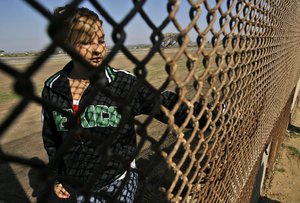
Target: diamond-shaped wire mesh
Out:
[234,80]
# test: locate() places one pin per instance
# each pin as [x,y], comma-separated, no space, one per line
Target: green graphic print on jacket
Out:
[93,116]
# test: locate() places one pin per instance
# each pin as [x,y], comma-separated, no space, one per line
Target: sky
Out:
[23,28]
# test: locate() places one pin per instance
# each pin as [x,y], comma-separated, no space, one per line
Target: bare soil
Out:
[284,183]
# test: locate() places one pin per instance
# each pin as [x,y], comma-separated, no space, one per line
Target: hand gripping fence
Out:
[243,65]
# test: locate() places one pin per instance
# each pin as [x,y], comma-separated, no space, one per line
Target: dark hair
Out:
[66,19]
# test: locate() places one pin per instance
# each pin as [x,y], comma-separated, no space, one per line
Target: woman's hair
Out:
[78,23]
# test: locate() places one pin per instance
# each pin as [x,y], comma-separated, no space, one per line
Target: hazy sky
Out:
[24,29]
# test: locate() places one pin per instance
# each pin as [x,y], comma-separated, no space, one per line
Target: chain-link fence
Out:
[240,69]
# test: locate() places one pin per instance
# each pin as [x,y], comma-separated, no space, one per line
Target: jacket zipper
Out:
[82,141]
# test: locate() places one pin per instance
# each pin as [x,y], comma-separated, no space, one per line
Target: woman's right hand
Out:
[60,191]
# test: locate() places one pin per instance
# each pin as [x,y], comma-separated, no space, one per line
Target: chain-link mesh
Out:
[243,68]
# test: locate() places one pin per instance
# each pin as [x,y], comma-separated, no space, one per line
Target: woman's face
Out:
[93,49]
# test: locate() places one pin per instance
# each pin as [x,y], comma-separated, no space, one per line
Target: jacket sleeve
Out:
[50,136]
[150,102]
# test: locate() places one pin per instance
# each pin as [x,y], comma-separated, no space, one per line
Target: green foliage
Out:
[8,96]
[293,151]
[281,170]
[294,134]
[170,39]
[18,54]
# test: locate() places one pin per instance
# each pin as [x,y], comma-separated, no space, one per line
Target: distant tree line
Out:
[169,40]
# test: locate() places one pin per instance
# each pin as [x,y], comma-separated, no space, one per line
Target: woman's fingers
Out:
[60,191]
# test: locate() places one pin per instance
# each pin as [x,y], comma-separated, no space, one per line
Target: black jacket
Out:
[99,121]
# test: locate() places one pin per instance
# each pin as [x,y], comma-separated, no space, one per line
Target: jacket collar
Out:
[60,83]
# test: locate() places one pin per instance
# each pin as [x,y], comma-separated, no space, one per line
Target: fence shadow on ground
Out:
[11,190]
[267,200]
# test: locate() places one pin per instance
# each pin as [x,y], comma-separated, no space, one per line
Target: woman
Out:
[101,157]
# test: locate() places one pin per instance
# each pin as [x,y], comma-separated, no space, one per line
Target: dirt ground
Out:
[23,138]
[284,183]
